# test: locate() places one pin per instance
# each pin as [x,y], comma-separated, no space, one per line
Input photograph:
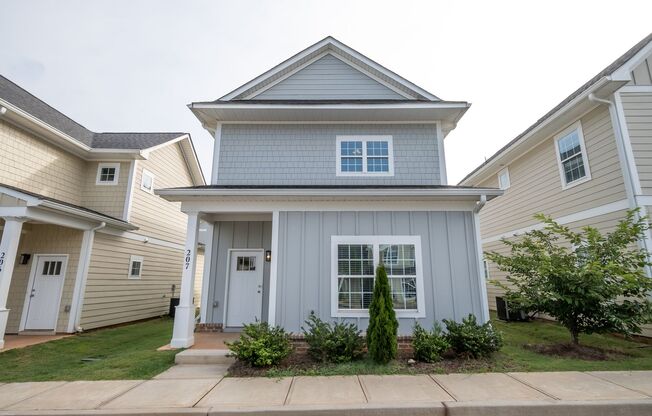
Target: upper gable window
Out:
[147,181]
[571,156]
[503,179]
[107,174]
[365,156]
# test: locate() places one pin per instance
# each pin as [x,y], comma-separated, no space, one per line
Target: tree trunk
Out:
[575,336]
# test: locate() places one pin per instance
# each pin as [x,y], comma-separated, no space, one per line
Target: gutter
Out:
[85,214]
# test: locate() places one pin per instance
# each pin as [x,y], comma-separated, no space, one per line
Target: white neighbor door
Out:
[44,295]
[245,303]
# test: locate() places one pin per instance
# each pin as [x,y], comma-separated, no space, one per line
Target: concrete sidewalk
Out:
[202,390]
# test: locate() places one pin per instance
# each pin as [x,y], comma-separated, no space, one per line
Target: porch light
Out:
[268,255]
[24,258]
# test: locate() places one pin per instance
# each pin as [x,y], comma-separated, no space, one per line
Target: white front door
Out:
[44,295]
[245,302]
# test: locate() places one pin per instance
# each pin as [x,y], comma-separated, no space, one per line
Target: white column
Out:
[216,153]
[206,278]
[273,271]
[482,281]
[184,317]
[8,252]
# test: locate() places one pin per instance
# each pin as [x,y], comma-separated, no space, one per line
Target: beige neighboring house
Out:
[85,241]
[586,162]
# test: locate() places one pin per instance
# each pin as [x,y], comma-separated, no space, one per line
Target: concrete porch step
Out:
[199,356]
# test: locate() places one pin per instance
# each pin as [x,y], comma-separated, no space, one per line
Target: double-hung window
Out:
[365,156]
[571,156]
[354,262]
[135,267]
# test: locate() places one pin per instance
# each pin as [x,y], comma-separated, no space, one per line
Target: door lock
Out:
[31,295]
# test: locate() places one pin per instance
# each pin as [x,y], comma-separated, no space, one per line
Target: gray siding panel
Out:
[290,154]
[328,78]
[449,262]
[234,235]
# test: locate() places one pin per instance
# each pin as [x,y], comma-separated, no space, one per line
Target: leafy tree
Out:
[383,326]
[589,281]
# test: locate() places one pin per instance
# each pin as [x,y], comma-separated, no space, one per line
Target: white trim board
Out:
[566,219]
[142,238]
[273,271]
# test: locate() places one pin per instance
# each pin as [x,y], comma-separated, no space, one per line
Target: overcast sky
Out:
[134,65]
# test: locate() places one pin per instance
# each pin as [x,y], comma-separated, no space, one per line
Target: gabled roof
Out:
[329,45]
[69,134]
[612,73]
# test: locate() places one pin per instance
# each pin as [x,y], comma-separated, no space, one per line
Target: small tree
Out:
[383,326]
[594,283]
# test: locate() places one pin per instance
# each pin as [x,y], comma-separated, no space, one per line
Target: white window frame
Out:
[575,126]
[116,177]
[133,259]
[505,172]
[364,140]
[376,241]
[142,177]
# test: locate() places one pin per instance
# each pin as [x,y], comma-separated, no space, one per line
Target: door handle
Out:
[31,295]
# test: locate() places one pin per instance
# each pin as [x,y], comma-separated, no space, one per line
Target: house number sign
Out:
[187,259]
[2,260]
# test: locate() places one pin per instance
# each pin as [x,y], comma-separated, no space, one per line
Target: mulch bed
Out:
[301,363]
[580,352]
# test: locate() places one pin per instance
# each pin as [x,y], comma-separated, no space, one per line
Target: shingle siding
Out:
[307,154]
[329,78]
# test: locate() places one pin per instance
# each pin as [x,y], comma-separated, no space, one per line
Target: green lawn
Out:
[126,352]
[129,352]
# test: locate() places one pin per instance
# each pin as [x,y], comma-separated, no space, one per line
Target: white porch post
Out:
[184,318]
[206,277]
[8,252]
[273,270]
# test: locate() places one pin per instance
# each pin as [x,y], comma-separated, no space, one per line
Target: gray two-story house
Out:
[325,166]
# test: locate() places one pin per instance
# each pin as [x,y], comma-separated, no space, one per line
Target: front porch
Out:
[44,255]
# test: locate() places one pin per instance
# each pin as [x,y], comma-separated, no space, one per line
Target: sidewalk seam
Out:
[552,396]
[205,394]
[362,387]
[119,394]
[287,395]
[443,387]
[617,384]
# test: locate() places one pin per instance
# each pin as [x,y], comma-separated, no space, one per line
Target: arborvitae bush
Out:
[383,326]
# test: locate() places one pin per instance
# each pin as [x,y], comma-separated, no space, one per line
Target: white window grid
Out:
[135,267]
[577,160]
[106,171]
[366,143]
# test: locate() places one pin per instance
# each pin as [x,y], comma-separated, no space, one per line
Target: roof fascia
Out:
[494,164]
[337,56]
[335,45]
[625,70]
[343,106]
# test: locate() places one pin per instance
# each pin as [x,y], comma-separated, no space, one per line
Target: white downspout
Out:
[628,163]
[482,284]
[82,275]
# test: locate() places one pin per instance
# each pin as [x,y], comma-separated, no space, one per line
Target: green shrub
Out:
[428,346]
[261,345]
[335,343]
[470,338]
[381,333]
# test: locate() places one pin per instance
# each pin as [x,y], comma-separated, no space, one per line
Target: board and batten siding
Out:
[291,154]
[32,164]
[235,235]
[328,78]
[112,298]
[637,107]
[107,199]
[536,184]
[449,260]
[43,239]
[155,216]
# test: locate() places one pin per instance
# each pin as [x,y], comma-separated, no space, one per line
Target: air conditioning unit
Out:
[505,314]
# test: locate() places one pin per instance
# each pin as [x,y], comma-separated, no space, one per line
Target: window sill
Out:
[413,313]
[575,183]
